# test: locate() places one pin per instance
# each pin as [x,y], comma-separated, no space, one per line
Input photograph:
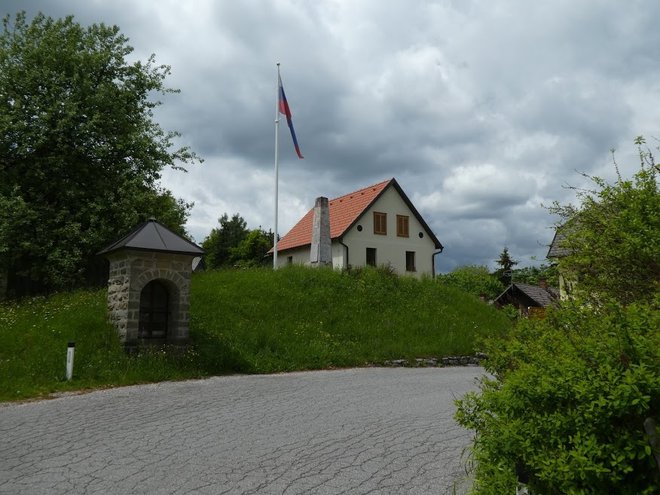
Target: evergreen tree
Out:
[505,270]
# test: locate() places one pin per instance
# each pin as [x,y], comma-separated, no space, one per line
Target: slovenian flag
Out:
[285,110]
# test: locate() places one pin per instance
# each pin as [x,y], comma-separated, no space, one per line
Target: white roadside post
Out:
[69,360]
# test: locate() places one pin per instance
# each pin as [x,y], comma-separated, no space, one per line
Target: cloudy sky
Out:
[484,111]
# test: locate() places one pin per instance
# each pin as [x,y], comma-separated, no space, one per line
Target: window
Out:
[380,223]
[371,256]
[410,261]
[402,225]
[289,260]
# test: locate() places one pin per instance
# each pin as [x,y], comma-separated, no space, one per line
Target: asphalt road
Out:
[358,431]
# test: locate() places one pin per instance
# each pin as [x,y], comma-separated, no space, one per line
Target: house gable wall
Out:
[390,248]
[299,256]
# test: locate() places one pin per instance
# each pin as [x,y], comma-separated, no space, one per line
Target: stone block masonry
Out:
[130,272]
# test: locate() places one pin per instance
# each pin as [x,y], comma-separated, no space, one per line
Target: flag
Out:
[285,110]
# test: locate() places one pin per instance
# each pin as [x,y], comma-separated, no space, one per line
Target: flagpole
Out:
[277,170]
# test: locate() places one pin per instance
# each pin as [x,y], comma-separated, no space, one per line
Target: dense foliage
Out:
[222,239]
[80,156]
[475,280]
[570,394]
[568,404]
[535,274]
[251,252]
[233,244]
[613,237]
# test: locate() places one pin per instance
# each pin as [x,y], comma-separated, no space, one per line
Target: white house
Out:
[377,225]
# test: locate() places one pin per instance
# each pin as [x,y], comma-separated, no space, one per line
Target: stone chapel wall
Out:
[130,271]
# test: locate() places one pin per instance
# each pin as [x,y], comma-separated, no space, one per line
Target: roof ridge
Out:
[373,186]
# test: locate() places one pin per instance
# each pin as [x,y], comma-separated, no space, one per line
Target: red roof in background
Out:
[344,211]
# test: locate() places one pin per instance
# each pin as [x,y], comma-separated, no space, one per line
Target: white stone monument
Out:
[321,250]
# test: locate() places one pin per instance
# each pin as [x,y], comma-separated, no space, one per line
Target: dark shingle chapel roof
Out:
[154,236]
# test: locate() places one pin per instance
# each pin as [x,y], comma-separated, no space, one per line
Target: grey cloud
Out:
[481,110]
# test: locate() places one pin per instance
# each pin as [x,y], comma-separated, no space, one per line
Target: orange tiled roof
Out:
[344,211]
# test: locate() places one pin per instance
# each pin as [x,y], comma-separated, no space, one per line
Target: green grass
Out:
[33,343]
[250,321]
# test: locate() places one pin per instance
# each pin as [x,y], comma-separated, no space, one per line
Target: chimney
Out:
[543,284]
[321,253]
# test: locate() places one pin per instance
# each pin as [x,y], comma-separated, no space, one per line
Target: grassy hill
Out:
[249,321]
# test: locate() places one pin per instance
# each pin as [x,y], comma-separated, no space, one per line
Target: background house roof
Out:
[154,236]
[542,296]
[557,248]
[560,242]
[345,211]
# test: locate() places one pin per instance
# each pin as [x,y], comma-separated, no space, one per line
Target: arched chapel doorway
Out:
[154,311]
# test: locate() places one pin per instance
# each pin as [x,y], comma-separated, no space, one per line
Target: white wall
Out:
[300,256]
[390,248]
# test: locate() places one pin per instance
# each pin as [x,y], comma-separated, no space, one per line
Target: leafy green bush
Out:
[534,274]
[567,403]
[473,279]
[571,393]
[613,237]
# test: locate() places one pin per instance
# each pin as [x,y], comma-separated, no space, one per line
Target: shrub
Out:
[567,403]
[473,279]
[613,237]
[571,394]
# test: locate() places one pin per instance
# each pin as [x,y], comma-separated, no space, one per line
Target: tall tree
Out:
[222,241]
[506,264]
[80,153]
